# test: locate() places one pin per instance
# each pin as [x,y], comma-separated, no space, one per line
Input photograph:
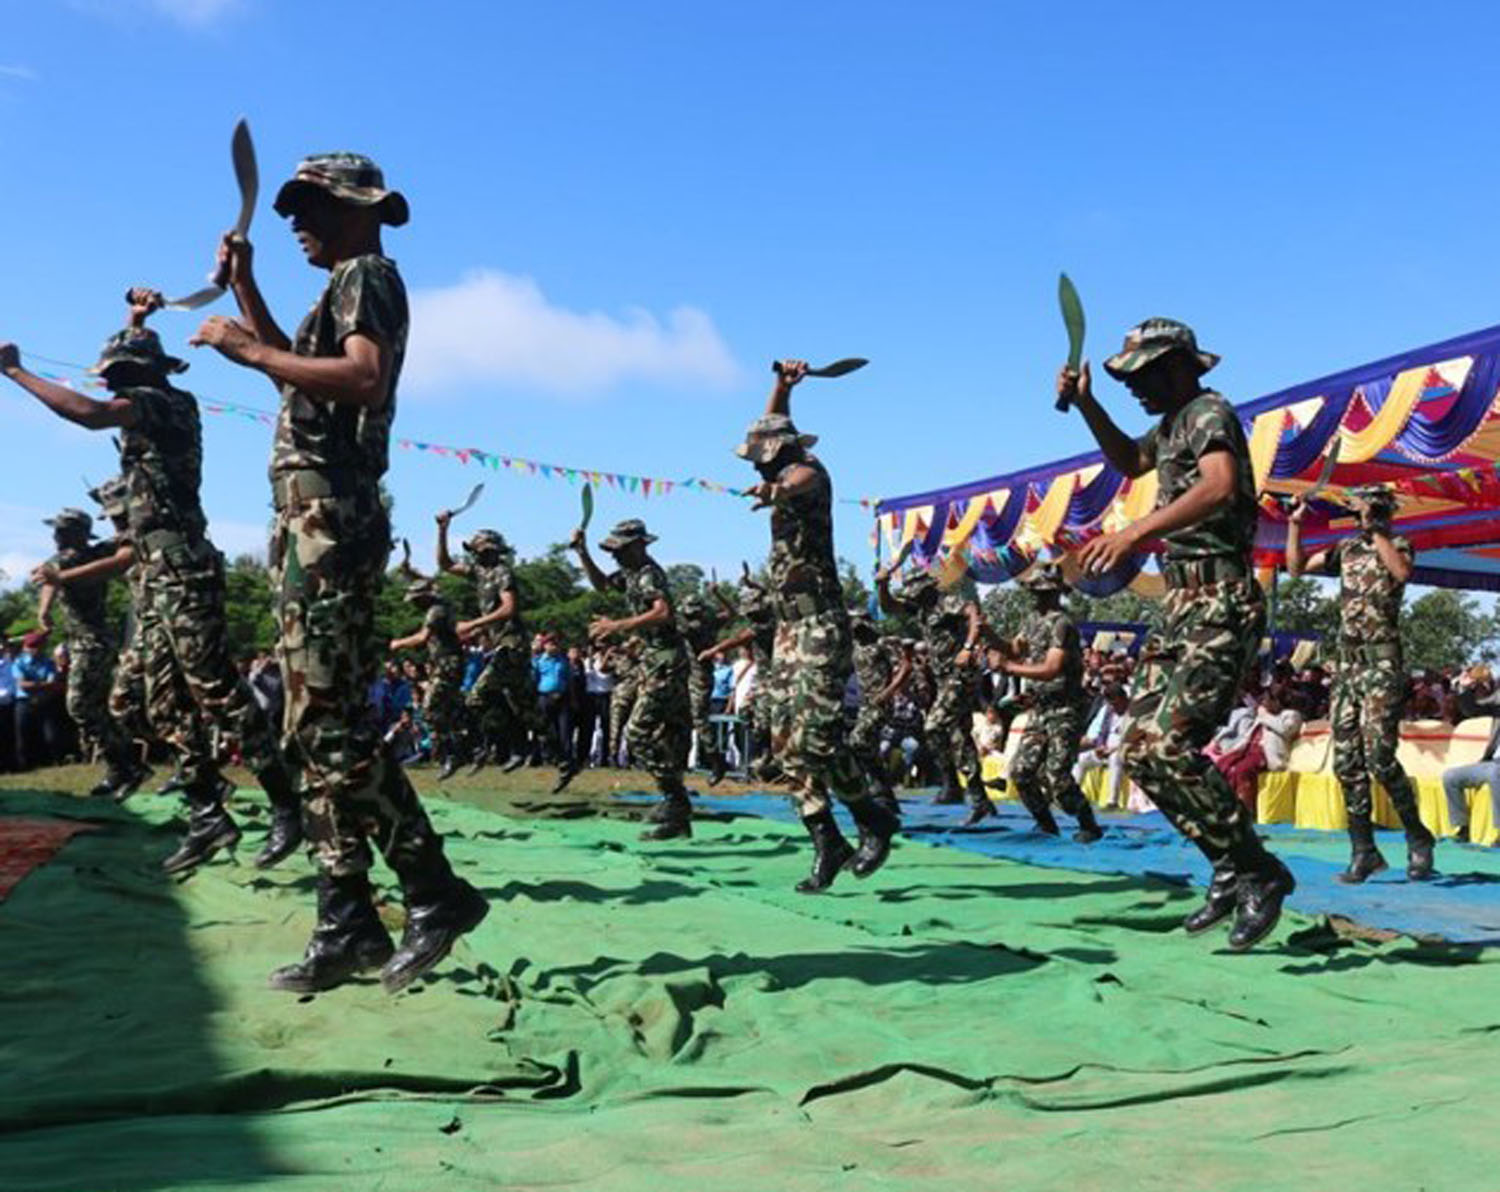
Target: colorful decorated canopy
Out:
[1424,423]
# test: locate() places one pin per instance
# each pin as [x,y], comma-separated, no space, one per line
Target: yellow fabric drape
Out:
[1388,423]
[1044,521]
[964,530]
[915,519]
[1139,499]
[1265,436]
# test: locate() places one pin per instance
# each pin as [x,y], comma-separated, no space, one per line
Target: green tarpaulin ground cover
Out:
[644,1016]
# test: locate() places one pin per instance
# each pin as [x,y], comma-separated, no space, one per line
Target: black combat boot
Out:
[453,757]
[878,820]
[831,852]
[1260,896]
[1218,903]
[565,774]
[176,781]
[482,756]
[1419,842]
[952,791]
[348,938]
[1041,812]
[1088,827]
[122,780]
[980,806]
[1364,858]
[440,907]
[210,827]
[673,816]
[717,767]
[286,817]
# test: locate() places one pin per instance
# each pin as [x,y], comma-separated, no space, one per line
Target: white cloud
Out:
[24,73]
[500,327]
[24,542]
[197,13]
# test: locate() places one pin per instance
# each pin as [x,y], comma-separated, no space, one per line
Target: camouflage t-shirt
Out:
[945,628]
[874,664]
[1045,632]
[491,582]
[700,623]
[643,587]
[85,602]
[445,654]
[802,566]
[1175,446]
[365,295]
[1369,595]
[161,458]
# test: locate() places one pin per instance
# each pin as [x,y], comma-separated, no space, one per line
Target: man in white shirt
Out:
[1101,744]
[1485,772]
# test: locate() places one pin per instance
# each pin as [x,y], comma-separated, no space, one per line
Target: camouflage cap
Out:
[1043,577]
[487,540]
[1376,497]
[137,345]
[71,519]
[352,177]
[421,589]
[918,583]
[767,435]
[1152,340]
[631,530]
[110,496]
[694,604]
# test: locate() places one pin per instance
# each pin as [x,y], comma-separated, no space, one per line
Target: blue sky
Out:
[622,212]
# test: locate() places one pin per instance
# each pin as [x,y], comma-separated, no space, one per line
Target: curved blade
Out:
[838,368]
[1072,313]
[588,506]
[196,299]
[246,173]
[474,494]
[1326,473]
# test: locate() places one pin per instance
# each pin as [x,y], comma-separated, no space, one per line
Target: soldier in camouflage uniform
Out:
[174,720]
[1042,768]
[700,622]
[1191,672]
[660,723]
[626,658]
[813,654]
[181,576]
[951,627]
[443,701]
[330,543]
[502,701]
[82,589]
[882,667]
[1370,681]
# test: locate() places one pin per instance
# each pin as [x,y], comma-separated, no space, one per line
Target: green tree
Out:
[248,607]
[685,579]
[1124,605]
[1306,605]
[1446,628]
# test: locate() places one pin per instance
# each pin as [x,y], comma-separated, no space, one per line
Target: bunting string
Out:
[624,482]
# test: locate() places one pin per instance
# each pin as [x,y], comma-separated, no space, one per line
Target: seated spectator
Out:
[1100,748]
[1473,697]
[990,737]
[1273,728]
[405,739]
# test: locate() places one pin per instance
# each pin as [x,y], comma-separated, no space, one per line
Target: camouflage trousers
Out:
[810,665]
[503,698]
[1187,684]
[328,557]
[864,744]
[1367,696]
[150,700]
[949,725]
[443,710]
[87,701]
[1042,767]
[659,729]
[186,647]
[621,704]
[700,696]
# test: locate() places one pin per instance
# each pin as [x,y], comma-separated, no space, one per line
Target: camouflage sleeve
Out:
[367,300]
[434,618]
[1062,634]
[1212,426]
[651,585]
[1146,445]
[1403,547]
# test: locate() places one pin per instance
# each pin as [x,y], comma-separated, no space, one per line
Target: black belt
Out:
[1200,573]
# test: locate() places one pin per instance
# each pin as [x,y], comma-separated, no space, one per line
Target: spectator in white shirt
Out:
[1101,744]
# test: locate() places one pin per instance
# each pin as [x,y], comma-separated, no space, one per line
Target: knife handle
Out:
[1062,405]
